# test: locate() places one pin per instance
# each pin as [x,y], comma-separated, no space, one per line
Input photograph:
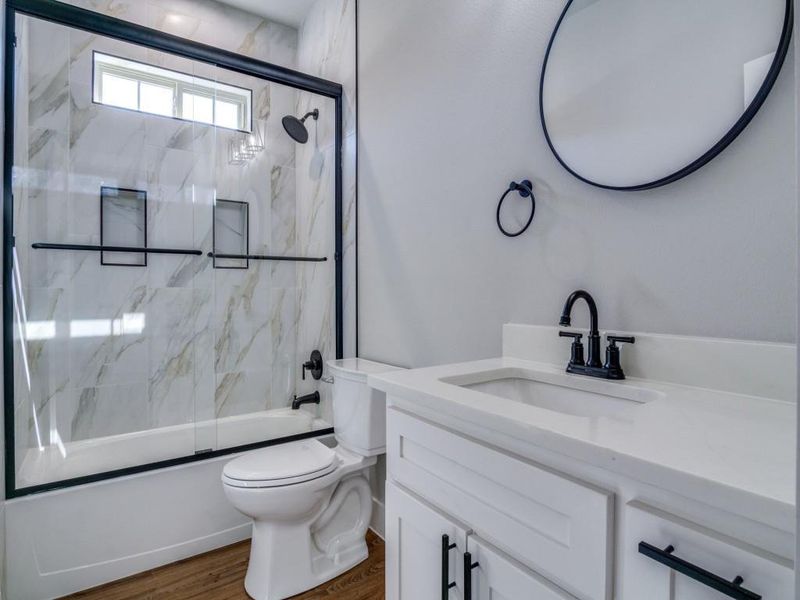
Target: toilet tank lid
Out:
[358,369]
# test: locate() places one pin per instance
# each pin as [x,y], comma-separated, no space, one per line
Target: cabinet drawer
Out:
[557,526]
[713,557]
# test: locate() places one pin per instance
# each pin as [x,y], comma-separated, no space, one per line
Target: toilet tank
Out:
[359,412]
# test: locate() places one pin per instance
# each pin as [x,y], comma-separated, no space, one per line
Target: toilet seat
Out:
[281,465]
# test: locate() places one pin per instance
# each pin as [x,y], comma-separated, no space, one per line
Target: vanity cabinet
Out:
[426,550]
[553,524]
[703,553]
[524,530]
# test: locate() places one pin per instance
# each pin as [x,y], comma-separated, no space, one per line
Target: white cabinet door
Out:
[696,553]
[417,564]
[498,577]
[549,521]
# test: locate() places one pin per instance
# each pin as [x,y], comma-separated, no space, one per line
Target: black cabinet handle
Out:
[446,583]
[732,589]
[468,566]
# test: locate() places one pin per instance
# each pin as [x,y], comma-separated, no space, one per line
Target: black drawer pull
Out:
[446,583]
[732,589]
[468,566]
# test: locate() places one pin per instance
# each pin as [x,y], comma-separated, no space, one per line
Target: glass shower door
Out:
[173,261]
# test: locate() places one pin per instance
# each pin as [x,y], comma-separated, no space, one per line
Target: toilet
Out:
[311,504]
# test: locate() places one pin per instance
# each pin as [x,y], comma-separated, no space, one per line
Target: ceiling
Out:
[288,12]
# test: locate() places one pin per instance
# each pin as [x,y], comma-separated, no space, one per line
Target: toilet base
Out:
[267,584]
[290,558]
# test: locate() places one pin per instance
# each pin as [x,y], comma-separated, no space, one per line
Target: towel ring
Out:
[525,189]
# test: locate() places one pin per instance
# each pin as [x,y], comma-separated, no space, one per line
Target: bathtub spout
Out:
[307,399]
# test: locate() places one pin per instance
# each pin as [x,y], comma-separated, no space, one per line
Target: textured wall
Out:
[448,116]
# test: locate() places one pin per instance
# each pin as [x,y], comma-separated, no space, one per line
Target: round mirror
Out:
[637,94]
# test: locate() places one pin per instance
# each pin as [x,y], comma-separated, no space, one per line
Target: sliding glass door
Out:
[174,256]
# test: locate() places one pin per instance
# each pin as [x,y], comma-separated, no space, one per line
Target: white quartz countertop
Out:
[731,451]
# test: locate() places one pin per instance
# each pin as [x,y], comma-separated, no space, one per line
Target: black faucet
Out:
[312,398]
[593,360]
[592,366]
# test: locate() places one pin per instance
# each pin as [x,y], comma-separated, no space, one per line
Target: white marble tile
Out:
[242,328]
[241,392]
[129,10]
[108,410]
[326,48]
[178,318]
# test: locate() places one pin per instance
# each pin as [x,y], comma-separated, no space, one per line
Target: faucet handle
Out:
[571,334]
[622,339]
[613,367]
[576,356]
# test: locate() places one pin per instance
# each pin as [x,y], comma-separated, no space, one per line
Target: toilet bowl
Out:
[311,505]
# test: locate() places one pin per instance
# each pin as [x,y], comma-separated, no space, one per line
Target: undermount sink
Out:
[568,394]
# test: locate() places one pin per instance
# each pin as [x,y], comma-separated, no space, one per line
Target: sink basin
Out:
[568,394]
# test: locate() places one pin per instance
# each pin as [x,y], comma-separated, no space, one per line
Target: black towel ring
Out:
[525,189]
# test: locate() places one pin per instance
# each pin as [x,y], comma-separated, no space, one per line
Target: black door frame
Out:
[93,22]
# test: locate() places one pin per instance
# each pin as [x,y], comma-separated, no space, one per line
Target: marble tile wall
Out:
[117,349]
[326,48]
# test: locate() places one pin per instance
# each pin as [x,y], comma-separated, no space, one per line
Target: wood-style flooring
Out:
[219,575]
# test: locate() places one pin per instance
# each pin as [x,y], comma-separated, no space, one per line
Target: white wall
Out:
[797,134]
[448,116]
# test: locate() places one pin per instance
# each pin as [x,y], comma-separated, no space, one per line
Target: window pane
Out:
[155,90]
[228,115]
[156,99]
[198,108]
[120,91]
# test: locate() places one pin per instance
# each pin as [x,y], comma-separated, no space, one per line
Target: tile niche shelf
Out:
[123,223]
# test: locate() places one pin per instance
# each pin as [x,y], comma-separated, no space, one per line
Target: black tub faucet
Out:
[593,358]
[592,366]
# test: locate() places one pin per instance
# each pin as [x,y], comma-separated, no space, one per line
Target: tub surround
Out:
[213,340]
[728,448]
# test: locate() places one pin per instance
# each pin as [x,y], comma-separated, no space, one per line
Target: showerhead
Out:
[296,128]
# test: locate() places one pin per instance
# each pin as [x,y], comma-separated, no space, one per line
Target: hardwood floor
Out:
[219,575]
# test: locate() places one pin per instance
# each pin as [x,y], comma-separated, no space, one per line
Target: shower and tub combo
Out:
[173,258]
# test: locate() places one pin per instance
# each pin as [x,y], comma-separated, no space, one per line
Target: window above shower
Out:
[137,86]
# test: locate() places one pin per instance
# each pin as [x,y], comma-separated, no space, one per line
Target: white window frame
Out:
[180,83]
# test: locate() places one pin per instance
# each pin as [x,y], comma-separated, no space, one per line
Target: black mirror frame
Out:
[717,148]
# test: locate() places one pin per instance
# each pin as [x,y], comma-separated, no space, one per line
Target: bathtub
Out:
[69,460]
[146,519]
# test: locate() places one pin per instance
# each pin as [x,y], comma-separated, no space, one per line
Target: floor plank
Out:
[219,575]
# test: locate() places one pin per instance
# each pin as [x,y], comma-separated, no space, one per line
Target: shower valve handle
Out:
[314,365]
